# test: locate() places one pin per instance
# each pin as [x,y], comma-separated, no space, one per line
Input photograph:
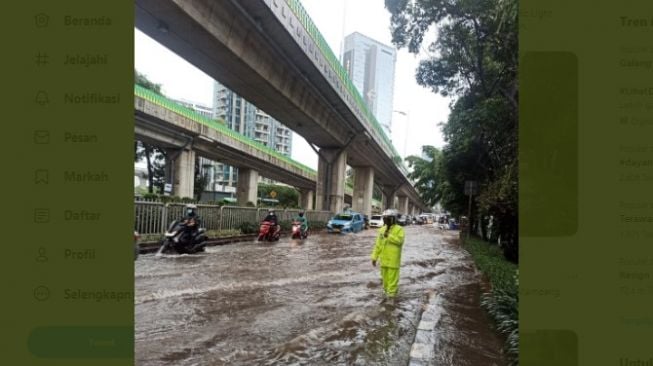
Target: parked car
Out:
[346,222]
[376,221]
[401,220]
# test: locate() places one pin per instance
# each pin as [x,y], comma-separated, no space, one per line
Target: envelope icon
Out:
[41,137]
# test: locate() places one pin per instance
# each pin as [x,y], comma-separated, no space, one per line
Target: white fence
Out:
[154,217]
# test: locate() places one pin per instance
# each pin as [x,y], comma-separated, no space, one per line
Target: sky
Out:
[419,110]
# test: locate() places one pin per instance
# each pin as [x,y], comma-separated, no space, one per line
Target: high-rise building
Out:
[371,67]
[245,118]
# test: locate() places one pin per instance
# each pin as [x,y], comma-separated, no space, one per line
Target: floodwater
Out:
[316,302]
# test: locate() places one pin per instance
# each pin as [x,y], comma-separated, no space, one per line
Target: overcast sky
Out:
[423,109]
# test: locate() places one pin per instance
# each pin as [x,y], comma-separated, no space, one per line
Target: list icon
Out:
[41,215]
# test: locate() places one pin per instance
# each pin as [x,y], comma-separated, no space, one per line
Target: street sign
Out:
[167,189]
[471,188]
[273,194]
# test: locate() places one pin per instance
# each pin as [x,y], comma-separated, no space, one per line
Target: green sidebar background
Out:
[586,179]
[41,323]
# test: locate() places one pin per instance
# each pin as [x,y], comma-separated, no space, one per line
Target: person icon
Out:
[42,258]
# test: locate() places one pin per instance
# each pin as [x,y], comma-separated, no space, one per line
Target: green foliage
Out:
[502,302]
[287,196]
[317,225]
[201,179]
[248,228]
[142,80]
[489,260]
[426,174]
[474,61]
[503,308]
[155,159]
[154,156]
[151,196]
[286,225]
[167,199]
[222,202]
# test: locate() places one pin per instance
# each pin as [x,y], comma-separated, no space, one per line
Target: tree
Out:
[201,179]
[474,61]
[287,196]
[154,156]
[142,80]
[426,174]
[155,161]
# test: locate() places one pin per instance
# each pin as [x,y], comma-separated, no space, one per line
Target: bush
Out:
[317,225]
[150,196]
[502,302]
[286,225]
[248,228]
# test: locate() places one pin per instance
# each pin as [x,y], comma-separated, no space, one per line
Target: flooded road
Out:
[316,302]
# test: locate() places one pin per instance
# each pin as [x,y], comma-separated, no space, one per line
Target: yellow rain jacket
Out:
[389,249]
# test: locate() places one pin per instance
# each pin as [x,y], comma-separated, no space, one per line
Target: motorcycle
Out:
[267,232]
[180,238]
[297,232]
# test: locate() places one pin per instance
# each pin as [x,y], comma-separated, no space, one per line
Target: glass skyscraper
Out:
[371,66]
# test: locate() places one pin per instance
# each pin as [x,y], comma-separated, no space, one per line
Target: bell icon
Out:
[42,98]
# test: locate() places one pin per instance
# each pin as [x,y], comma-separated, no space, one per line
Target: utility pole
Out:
[470,190]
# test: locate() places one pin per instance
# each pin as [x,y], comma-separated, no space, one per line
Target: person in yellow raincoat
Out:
[387,250]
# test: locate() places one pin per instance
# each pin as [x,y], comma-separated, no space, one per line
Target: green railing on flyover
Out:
[314,33]
[221,127]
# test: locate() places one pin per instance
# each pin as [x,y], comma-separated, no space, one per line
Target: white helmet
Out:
[391,212]
[191,210]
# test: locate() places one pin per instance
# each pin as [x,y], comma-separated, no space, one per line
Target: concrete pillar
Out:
[330,187]
[363,190]
[306,199]
[180,172]
[403,205]
[247,190]
[389,197]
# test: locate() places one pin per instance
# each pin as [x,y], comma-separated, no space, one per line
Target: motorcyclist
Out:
[192,220]
[272,217]
[303,220]
[387,249]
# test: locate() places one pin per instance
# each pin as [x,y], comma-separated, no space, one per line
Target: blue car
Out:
[346,222]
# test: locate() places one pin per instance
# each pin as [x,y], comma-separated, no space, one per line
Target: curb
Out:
[422,350]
